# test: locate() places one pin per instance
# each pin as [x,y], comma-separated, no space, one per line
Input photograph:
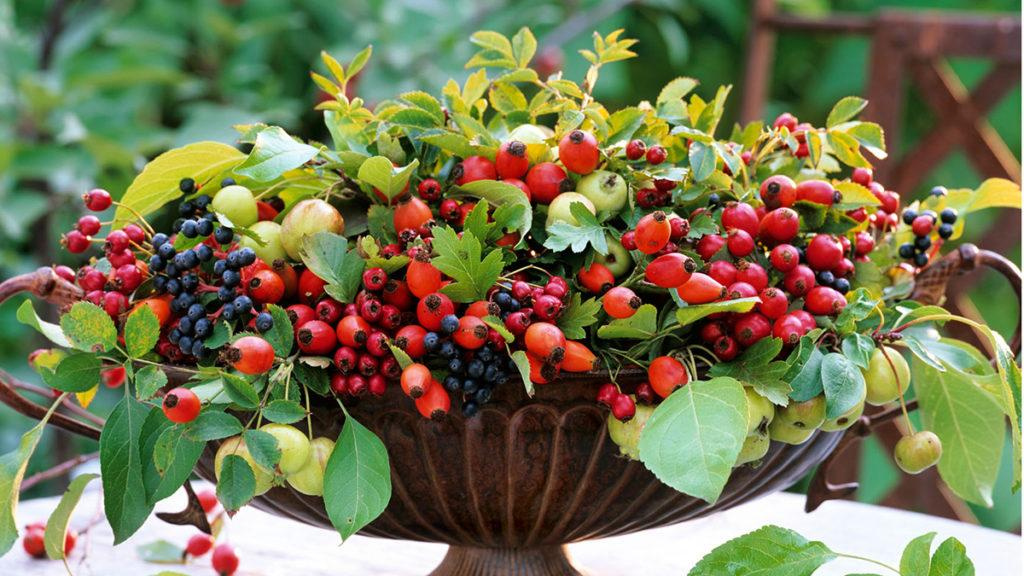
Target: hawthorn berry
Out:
[740,215]
[799,280]
[824,301]
[471,333]
[578,151]
[252,354]
[653,232]
[774,303]
[181,405]
[824,252]
[726,348]
[817,191]
[422,277]
[114,377]
[76,242]
[224,561]
[635,149]
[435,403]
[597,278]
[752,273]
[709,245]
[97,200]
[623,406]
[779,226]
[620,302]
[789,328]
[546,341]
[511,160]
[750,328]
[656,155]
[545,181]
[199,544]
[472,169]
[740,243]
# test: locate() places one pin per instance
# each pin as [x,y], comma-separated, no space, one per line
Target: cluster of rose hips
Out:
[924,225]
[224,559]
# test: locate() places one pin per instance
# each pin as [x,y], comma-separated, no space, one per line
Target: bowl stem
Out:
[535,561]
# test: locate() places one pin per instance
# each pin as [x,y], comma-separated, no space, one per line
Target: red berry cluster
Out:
[34,540]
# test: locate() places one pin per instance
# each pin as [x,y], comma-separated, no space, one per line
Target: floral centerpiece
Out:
[722,288]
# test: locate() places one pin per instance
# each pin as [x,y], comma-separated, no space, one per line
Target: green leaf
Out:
[623,123]
[676,89]
[157,184]
[124,493]
[212,425]
[12,471]
[702,160]
[970,424]
[472,272]
[148,380]
[846,109]
[768,551]
[524,45]
[89,328]
[916,559]
[161,552]
[951,559]
[281,336]
[588,232]
[77,372]
[263,448]
[495,323]
[846,149]
[284,411]
[382,174]
[870,136]
[690,314]
[758,368]
[174,457]
[236,485]
[577,315]
[807,383]
[922,352]
[328,256]
[311,377]
[240,390]
[522,363]
[220,336]
[57,524]
[273,154]
[855,196]
[357,480]
[371,252]
[26,314]
[141,331]
[843,384]
[692,439]
[861,304]
[640,326]
[858,348]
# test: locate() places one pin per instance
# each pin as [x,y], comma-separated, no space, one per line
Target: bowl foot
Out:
[539,561]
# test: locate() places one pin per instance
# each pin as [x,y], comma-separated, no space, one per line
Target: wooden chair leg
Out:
[760,55]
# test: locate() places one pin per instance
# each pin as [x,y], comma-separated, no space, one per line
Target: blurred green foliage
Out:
[89,90]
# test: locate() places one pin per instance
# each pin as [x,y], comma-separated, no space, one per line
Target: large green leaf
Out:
[950,559]
[174,456]
[77,372]
[462,258]
[499,194]
[768,551]
[273,154]
[382,174]
[12,471]
[328,256]
[693,438]
[236,484]
[57,524]
[689,314]
[971,426]
[124,493]
[843,383]
[157,184]
[642,325]
[357,480]
[141,331]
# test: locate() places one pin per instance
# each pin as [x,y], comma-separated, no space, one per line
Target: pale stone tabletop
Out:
[270,546]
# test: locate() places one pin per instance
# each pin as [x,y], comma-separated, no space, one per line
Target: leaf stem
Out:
[868,560]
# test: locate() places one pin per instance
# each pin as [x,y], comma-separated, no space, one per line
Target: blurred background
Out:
[89,90]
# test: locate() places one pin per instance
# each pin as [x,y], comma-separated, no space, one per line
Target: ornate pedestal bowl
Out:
[508,488]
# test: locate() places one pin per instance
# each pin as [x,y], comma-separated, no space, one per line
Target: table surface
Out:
[270,546]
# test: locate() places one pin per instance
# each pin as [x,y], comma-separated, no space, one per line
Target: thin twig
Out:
[58,470]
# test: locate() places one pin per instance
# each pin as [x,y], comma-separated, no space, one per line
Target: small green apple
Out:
[918,452]
[807,415]
[237,204]
[755,446]
[310,478]
[626,435]
[617,259]
[560,208]
[786,432]
[535,137]
[305,219]
[760,411]
[293,444]
[882,381]
[235,446]
[270,233]
[607,190]
[844,421]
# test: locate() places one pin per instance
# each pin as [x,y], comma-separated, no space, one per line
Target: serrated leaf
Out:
[692,439]
[757,368]
[76,372]
[676,89]
[273,154]
[236,484]
[284,412]
[264,449]
[174,457]
[240,390]
[57,524]
[846,109]
[328,256]
[971,426]
[854,196]
[846,149]
[124,502]
[500,194]
[692,313]
[157,184]
[950,559]
[89,328]
[640,326]
[768,551]
[577,315]
[141,331]
[588,232]
[26,314]
[843,384]
[462,259]
[357,480]
[281,336]
[916,559]
[212,425]
[524,45]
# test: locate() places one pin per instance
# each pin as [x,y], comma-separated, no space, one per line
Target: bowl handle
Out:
[929,288]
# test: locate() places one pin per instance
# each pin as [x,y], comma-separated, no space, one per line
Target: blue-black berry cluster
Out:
[923,225]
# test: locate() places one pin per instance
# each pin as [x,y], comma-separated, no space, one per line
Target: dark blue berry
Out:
[199,349]
[219,267]
[186,209]
[447,349]
[202,201]
[456,365]
[156,263]
[470,386]
[190,282]
[842,285]
[920,259]
[826,278]
[160,284]
[475,368]
[946,231]
[939,191]
[204,252]
[225,294]
[485,354]
[514,305]
[174,335]
[234,260]
[449,324]
[948,216]
[491,373]
[247,256]
[195,312]
[229,181]
[242,304]
[159,239]
[909,216]
[922,243]
[204,228]
[187,185]
[469,409]
[185,344]
[228,312]
[224,235]
[482,396]
[166,250]
[714,199]
[185,325]
[171,271]
[174,286]
[203,327]
[189,229]
[230,278]
[907,250]
[503,299]
[431,341]
[264,322]
[452,384]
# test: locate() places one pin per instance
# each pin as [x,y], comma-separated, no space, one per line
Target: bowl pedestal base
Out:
[537,561]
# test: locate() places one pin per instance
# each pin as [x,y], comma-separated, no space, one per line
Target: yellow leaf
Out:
[996,193]
[85,398]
